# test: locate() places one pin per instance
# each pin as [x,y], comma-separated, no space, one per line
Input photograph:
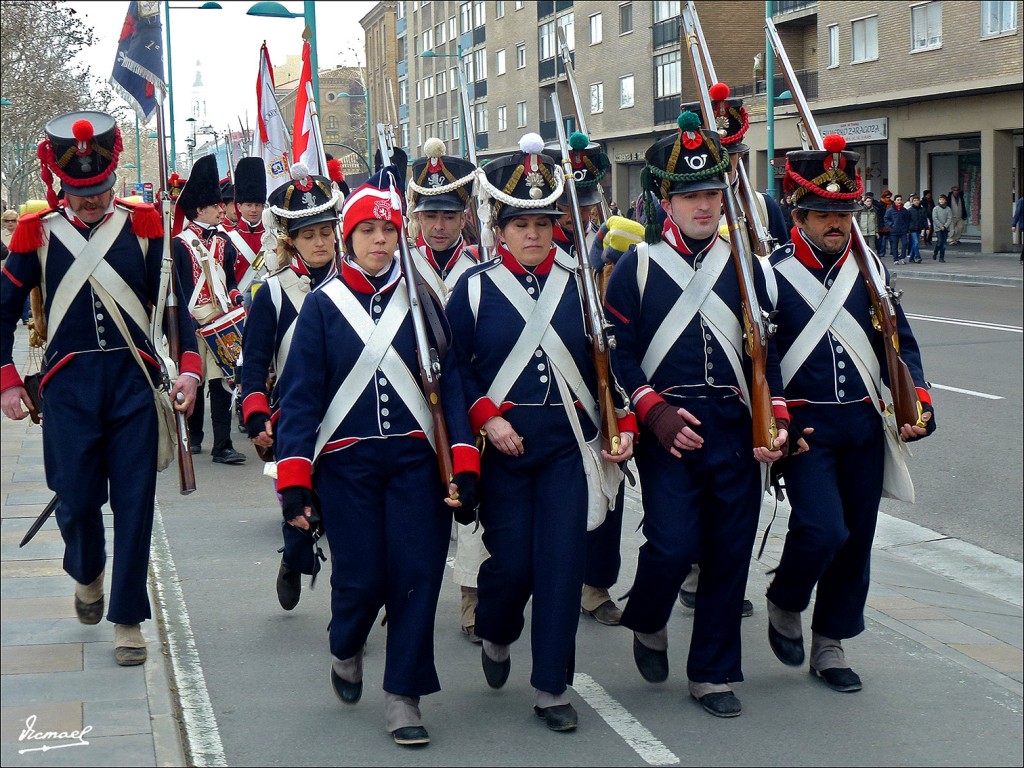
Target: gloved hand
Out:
[783,424]
[256,423]
[929,425]
[237,299]
[665,422]
[466,482]
[294,501]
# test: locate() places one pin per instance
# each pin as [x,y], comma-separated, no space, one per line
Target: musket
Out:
[581,120]
[186,470]
[230,154]
[39,521]
[593,317]
[760,238]
[754,330]
[469,131]
[428,356]
[905,403]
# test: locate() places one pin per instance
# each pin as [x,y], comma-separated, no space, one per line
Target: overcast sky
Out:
[227,42]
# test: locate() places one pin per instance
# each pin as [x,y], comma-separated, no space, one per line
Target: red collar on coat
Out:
[512,264]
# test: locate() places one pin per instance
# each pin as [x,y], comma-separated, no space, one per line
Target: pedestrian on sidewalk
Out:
[941,219]
[928,203]
[897,220]
[832,382]
[100,426]
[916,229]
[1018,223]
[958,207]
[867,220]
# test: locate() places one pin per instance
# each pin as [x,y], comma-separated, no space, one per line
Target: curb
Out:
[945,277]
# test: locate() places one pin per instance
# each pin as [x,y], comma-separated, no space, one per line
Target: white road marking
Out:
[968,392]
[967,323]
[643,742]
[201,732]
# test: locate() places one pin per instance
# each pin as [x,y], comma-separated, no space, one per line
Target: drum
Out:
[224,338]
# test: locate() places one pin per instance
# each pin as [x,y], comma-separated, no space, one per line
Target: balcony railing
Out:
[481,141]
[548,130]
[788,6]
[808,79]
[666,110]
[666,32]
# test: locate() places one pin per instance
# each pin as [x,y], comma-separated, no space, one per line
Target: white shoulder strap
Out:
[473,287]
[643,265]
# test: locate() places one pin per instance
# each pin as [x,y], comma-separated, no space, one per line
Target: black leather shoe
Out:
[89,613]
[229,456]
[562,717]
[195,448]
[347,693]
[723,704]
[653,665]
[289,587]
[495,672]
[789,652]
[411,736]
[842,679]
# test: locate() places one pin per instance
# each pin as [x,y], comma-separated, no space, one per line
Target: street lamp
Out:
[365,96]
[463,86]
[170,91]
[278,11]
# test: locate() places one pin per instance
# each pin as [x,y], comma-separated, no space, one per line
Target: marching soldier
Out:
[204,264]
[356,429]
[308,250]
[590,164]
[227,197]
[832,373]
[250,199]
[525,360]
[676,310]
[438,194]
[99,262]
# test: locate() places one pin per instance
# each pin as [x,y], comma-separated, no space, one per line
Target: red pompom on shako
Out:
[83,132]
[834,143]
[719,92]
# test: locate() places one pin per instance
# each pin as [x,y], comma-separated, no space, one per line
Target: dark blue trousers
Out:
[702,508]
[534,513]
[604,557]
[834,489]
[382,506]
[99,444]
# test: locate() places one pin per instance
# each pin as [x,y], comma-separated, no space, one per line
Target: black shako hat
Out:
[731,119]
[690,160]
[589,166]
[438,170]
[306,199]
[250,181]
[81,149]
[227,190]
[528,176]
[202,187]
[824,180]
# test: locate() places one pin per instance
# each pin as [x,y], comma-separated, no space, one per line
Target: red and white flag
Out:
[271,142]
[308,146]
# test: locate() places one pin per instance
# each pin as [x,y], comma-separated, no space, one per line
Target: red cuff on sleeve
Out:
[646,402]
[482,410]
[191,362]
[628,423]
[9,377]
[924,396]
[235,297]
[466,458]
[779,409]
[255,403]
[295,472]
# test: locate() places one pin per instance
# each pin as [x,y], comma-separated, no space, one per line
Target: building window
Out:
[418,96]
[520,114]
[428,39]
[466,17]
[667,76]
[502,124]
[467,67]
[440,80]
[499,12]
[596,98]
[926,26]
[405,134]
[520,55]
[998,17]
[596,33]
[419,135]
[519,5]
[439,34]
[442,130]
[480,115]
[332,122]
[665,10]
[833,46]
[400,10]
[865,39]
[625,92]
[428,130]
[565,23]
[625,18]
[453,28]
[403,92]
[546,40]
[456,129]
[480,64]
[453,78]
[499,62]
[479,13]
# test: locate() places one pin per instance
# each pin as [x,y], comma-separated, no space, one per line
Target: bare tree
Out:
[41,79]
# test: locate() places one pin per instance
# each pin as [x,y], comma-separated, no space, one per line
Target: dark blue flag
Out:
[139,65]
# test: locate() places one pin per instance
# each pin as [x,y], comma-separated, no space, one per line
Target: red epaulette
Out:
[146,219]
[28,235]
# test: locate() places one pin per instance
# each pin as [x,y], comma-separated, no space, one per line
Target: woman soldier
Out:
[355,427]
[307,251]
[526,366]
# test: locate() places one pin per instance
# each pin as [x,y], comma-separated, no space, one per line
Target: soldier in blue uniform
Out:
[526,364]
[95,257]
[212,290]
[675,307]
[832,374]
[308,251]
[355,428]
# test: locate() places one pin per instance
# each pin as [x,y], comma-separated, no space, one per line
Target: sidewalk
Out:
[965,263]
[966,608]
